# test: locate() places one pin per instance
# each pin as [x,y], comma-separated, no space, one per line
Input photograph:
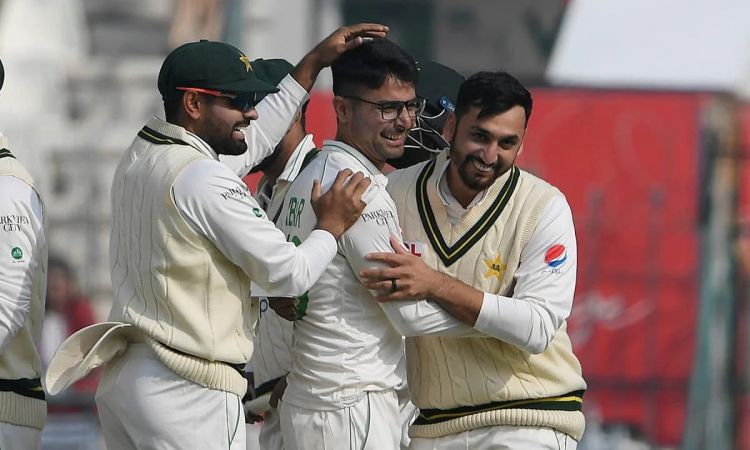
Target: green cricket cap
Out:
[209,65]
[271,71]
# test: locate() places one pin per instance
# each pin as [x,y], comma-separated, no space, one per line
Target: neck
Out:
[286,149]
[459,190]
[344,137]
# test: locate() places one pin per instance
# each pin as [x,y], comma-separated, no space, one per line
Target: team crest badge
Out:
[246,61]
[495,267]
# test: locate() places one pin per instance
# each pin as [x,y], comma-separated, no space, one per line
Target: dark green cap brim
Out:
[246,86]
[2,74]
[271,71]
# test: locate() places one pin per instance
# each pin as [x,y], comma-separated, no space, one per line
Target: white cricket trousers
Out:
[499,438]
[16,437]
[145,406]
[371,424]
[270,437]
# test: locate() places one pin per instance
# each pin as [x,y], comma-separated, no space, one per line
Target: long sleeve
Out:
[21,227]
[275,114]
[410,318]
[543,295]
[219,206]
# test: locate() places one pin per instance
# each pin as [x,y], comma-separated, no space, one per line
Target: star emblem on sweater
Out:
[495,268]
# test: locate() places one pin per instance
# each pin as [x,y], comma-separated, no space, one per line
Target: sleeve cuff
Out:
[487,314]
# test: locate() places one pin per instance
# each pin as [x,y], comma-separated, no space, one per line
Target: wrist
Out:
[334,230]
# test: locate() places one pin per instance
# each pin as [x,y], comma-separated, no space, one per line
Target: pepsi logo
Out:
[556,255]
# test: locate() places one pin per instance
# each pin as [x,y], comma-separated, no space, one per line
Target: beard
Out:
[220,138]
[467,172]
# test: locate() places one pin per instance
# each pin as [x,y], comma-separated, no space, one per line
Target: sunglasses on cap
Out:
[244,102]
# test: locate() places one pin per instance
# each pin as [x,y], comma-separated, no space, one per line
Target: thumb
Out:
[315,192]
[356,42]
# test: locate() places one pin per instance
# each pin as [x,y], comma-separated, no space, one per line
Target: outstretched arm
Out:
[529,319]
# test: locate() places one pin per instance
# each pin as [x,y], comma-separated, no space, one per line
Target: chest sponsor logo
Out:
[13,222]
[380,216]
[416,248]
[495,267]
[235,192]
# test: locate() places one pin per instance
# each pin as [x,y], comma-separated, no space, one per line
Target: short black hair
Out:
[370,64]
[172,108]
[493,93]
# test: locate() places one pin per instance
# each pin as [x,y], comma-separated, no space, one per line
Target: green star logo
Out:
[16,253]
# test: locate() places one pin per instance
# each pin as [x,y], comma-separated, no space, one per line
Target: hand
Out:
[250,395]
[283,306]
[341,206]
[330,48]
[345,39]
[278,392]
[414,280]
[252,418]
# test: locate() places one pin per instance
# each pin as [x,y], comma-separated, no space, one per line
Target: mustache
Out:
[470,158]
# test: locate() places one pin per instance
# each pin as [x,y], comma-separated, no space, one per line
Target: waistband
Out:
[572,401]
[27,387]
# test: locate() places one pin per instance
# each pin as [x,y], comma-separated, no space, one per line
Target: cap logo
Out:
[447,104]
[246,61]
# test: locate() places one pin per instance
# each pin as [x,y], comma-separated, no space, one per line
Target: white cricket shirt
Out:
[21,228]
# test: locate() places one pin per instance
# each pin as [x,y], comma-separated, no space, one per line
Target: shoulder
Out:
[407,174]
[206,169]
[16,189]
[536,182]
[204,177]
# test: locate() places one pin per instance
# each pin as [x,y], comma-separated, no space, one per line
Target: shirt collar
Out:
[294,163]
[178,132]
[338,146]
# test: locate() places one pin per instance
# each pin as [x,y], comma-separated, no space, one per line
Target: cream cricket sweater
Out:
[23,403]
[172,284]
[449,373]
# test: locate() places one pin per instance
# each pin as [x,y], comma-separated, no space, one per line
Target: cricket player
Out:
[186,241]
[347,349]
[495,246]
[23,286]
[271,358]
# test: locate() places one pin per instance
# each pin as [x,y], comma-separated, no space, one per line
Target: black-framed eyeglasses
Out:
[244,102]
[391,110]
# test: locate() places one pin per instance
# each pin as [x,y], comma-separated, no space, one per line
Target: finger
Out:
[365,27]
[382,286]
[385,257]
[352,181]
[353,43]
[398,246]
[361,187]
[315,192]
[341,177]
[381,274]
[372,274]
[391,297]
